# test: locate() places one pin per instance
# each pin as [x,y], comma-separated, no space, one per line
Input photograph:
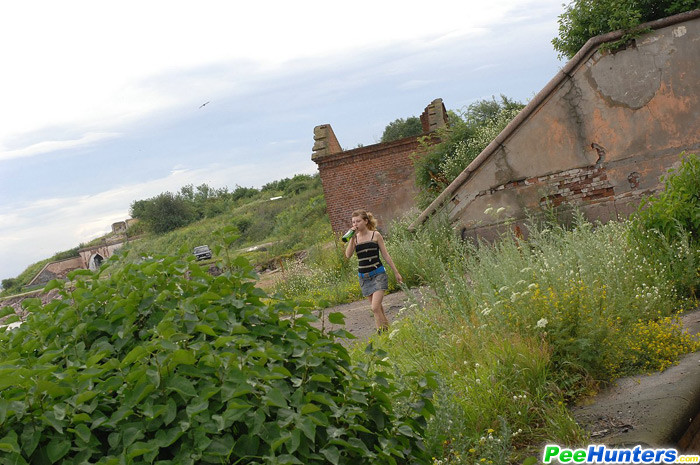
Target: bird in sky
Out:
[202,105]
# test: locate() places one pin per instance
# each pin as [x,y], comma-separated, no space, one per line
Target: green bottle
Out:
[346,237]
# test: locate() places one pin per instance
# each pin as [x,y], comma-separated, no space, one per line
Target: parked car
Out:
[202,252]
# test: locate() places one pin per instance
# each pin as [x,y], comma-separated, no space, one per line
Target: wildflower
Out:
[488,211]
[500,210]
[478,381]
[542,323]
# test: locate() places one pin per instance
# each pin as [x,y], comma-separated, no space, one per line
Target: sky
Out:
[104,103]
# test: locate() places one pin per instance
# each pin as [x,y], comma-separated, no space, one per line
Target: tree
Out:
[584,19]
[164,212]
[401,128]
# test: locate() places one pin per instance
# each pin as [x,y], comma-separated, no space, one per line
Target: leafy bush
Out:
[164,212]
[584,19]
[401,128]
[677,207]
[8,283]
[162,363]
[667,225]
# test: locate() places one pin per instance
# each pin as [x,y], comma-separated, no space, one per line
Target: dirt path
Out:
[359,319]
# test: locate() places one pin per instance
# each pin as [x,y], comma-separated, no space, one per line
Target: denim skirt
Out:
[378,282]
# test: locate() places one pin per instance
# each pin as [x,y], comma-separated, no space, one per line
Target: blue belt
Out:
[372,273]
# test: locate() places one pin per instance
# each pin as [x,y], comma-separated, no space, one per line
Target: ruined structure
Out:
[89,258]
[378,177]
[598,136]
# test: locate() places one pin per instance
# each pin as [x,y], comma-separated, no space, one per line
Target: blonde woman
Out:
[368,243]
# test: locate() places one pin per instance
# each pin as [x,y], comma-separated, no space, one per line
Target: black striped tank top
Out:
[368,256]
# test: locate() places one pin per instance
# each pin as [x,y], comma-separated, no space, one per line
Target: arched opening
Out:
[95,262]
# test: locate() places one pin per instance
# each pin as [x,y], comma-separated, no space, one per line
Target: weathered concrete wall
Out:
[379,178]
[599,136]
[56,270]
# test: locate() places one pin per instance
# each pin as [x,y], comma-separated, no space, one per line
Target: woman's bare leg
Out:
[380,319]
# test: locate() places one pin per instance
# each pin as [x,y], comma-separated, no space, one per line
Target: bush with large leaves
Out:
[163,363]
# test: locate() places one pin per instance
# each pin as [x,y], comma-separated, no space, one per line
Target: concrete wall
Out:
[599,135]
[56,270]
[378,178]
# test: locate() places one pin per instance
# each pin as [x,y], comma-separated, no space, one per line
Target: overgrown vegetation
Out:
[467,135]
[162,363]
[584,19]
[287,215]
[167,211]
[282,218]
[518,329]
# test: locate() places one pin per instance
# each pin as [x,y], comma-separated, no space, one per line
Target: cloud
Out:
[56,145]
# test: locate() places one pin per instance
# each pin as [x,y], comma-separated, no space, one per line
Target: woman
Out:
[368,243]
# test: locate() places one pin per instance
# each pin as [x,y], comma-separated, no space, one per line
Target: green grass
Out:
[519,329]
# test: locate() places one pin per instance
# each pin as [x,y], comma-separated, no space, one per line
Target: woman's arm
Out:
[387,257]
[350,249]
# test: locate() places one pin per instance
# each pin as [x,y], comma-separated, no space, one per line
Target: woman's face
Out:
[359,223]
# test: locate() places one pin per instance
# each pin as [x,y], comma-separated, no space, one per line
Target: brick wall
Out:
[378,178]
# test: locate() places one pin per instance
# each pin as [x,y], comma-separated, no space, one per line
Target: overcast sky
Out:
[101,102]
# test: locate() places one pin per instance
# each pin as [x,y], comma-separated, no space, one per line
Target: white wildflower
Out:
[542,323]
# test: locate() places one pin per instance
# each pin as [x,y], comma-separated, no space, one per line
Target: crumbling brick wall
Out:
[378,178]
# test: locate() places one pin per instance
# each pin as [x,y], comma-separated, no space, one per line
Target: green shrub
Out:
[437,165]
[401,128]
[584,19]
[667,225]
[677,207]
[161,363]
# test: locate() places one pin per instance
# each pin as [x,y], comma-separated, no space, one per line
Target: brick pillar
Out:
[434,116]
[325,142]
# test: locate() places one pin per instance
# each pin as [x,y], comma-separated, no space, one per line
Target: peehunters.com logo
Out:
[601,454]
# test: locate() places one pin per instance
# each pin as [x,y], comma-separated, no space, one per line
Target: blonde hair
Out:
[367,216]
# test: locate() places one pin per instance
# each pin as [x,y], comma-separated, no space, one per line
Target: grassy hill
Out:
[288,215]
